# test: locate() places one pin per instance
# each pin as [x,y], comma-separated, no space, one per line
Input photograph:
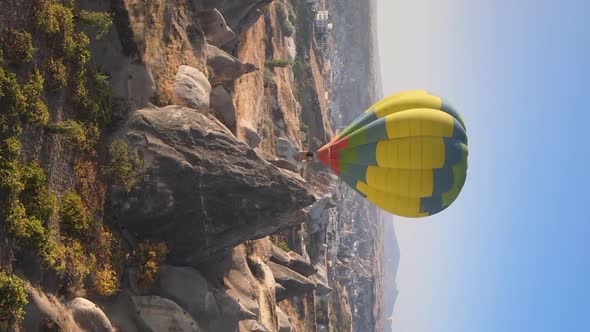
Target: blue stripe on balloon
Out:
[350,182]
[431,205]
[453,151]
[367,154]
[357,172]
[447,108]
[443,180]
[459,132]
[364,120]
[376,131]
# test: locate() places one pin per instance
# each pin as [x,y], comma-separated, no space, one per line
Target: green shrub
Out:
[292,16]
[74,217]
[278,63]
[13,298]
[100,20]
[92,134]
[283,16]
[43,205]
[125,167]
[11,184]
[106,281]
[282,12]
[17,46]
[28,231]
[13,103]
[36,111]
[34,177]
[74,131]
[287,28]
[53,253]
[56,74]
[79,264]
[68,258]
[38,200]
[151,257]
[100,110]
[280,243]
[76,50]
[9,150]
[47,16]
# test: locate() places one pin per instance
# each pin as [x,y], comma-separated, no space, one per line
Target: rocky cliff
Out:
[145,185]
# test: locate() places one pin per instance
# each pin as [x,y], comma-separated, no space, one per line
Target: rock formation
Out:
[192,89]
[160,314]
[203,190]
[225,68]
[293,282]
[89,316]
[223,107]
[292,260]
[215,28]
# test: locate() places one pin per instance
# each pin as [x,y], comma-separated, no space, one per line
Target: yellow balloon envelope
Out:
[406,154]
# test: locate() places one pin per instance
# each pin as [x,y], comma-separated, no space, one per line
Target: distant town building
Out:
[321,21]
[322,28]
[314,5]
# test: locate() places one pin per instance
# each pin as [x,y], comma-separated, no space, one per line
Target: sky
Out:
[513,252]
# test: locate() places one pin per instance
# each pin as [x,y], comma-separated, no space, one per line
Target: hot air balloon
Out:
[407,154]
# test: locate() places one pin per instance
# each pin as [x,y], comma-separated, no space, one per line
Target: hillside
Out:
[138,184]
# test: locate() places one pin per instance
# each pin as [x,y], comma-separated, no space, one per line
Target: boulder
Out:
[212,309]
[215,28]
[241,14]
[89,316]
[321,280]
[286,149]
[285,164]
[202,190]
[280,292]
[223,107]
[46,313]
[225,68]
[291,48]
[192,89]
[318,214]
[292,260]
[253,326]
[251,136]
[293,282]
[283,321]
[160,314]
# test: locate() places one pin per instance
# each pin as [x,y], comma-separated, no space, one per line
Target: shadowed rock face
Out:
[215,27]
[161,314]
[204,191]
[293,282]
[240,14]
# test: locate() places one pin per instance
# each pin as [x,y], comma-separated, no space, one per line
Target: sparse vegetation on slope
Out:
[125,167]
[150,257]
[47,58]
[99,20]
[13,299]
[17,46]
